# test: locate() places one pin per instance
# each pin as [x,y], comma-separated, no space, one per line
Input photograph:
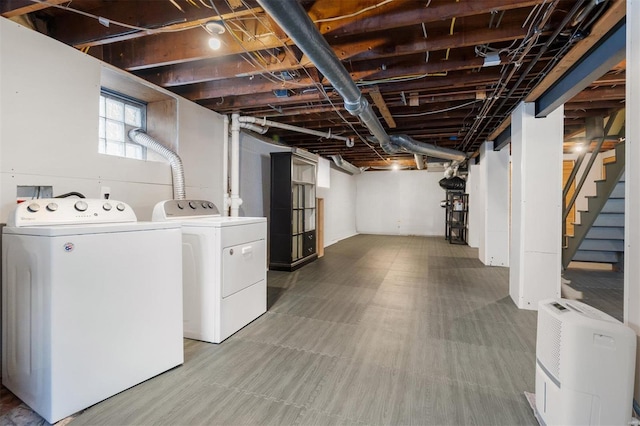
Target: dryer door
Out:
[242,266]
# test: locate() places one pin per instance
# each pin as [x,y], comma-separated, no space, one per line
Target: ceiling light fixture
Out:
[215,28]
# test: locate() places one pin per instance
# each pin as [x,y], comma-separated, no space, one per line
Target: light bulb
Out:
[395,167]
[215,43]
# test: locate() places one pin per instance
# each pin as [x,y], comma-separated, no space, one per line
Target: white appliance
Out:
[224,268]
[91,302]
[585,361]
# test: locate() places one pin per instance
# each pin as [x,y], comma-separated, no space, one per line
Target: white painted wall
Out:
[632,185]
[494,191]
[399,203]
[49,130]
[339,207]
[255,175]
[476,208]
[536,225]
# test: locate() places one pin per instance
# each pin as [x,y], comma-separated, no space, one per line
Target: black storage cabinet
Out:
[293,211]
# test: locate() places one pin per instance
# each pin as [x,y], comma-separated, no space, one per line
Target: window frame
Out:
[127,101]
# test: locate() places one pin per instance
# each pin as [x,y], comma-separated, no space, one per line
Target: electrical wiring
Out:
[319,87]
[107,22]
[420,114]
[351,15]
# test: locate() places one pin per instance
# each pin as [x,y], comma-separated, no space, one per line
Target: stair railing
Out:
[594,154]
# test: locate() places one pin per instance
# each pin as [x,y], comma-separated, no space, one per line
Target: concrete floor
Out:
[381,330]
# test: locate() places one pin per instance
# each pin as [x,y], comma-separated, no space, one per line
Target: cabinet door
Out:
[309,244]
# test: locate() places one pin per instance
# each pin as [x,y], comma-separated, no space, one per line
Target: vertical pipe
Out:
[225,168]
[236,201]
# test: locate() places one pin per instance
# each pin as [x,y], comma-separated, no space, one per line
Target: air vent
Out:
[549,338]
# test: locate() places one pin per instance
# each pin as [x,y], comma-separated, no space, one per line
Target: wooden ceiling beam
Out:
[236,103]
[172,48]
[222,68]
[13,8]
[402,18]
[82,31]
[600,94]
[386,46]
[260,84]
[225,67]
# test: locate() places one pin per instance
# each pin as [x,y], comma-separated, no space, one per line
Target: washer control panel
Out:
[70,211]
[180,209]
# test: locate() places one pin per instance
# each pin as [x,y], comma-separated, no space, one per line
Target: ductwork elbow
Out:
[345,165]
[177,169]
[416,147]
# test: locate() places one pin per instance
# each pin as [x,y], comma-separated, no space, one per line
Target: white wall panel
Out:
[399,203]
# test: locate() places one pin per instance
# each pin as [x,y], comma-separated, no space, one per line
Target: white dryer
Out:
[91,302]
[224,268]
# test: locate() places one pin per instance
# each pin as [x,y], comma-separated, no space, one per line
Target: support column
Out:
[632,183]
[476,209]
[494,175]
[536,213]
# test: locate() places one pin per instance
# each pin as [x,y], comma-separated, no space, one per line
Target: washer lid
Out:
[85,229]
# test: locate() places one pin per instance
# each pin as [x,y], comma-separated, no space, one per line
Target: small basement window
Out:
[118,115]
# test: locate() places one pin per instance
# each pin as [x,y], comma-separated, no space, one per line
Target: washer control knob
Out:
[210,205]
[81,206]
[180,205]
[192,204]
[120,207]
[205,205]
[107,207]
[33,207]
[52,207]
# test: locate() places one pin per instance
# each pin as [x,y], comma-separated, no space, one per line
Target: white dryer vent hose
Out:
[177,170]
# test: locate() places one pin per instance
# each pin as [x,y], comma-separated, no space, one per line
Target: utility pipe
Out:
[253,127]
[419,161]
[236,201]
[268,123]
[345,165]
[177,170]
[225,168]
[293,19]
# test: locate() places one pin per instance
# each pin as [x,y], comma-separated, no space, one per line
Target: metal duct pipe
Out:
[293,19]
[411,145]
[345,165]
[269,123]
[419,161]
[296,23]
[177,170]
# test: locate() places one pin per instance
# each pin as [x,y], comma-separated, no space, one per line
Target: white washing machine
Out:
[91,302]
[224,268]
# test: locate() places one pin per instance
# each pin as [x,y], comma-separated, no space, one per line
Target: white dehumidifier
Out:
[585,362]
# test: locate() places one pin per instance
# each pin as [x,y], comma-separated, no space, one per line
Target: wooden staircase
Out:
[599,237]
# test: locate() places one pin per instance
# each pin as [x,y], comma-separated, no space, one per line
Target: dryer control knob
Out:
[180,205]
[107,207]
[205,205]
[33,207]
[192,204]
[81,206]
[52,207]
[120,207]
[210,205]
